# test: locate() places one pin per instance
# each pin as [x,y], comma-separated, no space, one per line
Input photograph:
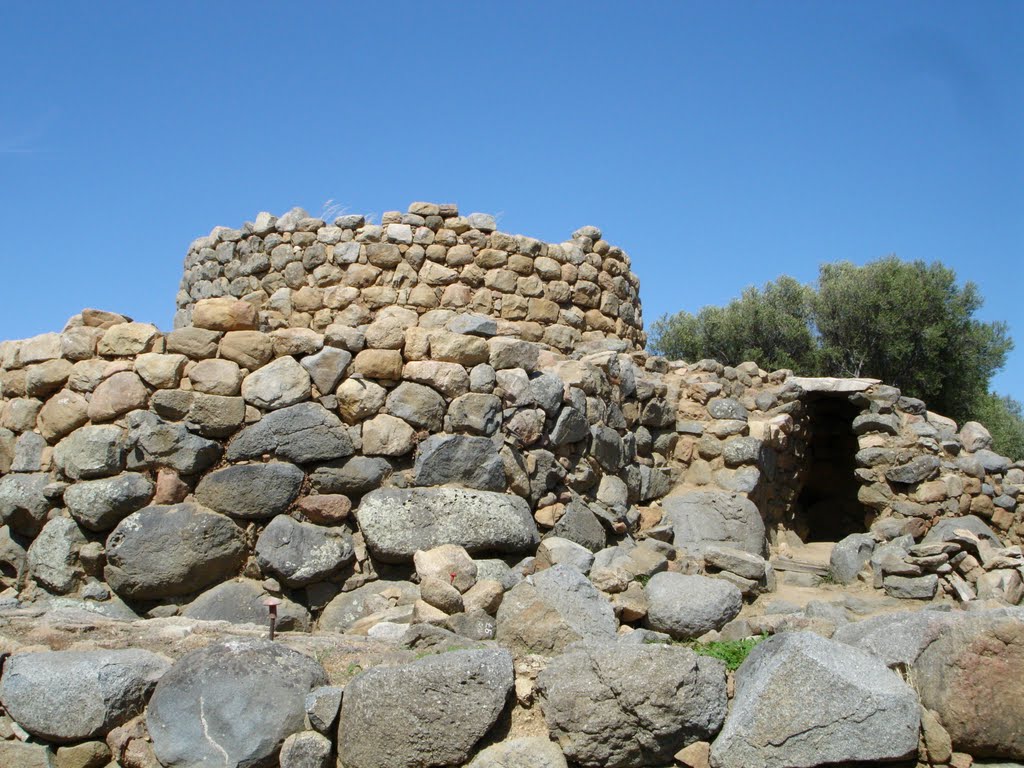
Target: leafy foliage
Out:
[1004,418]
[906,323]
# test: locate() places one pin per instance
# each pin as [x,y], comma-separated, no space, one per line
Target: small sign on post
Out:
[272,603]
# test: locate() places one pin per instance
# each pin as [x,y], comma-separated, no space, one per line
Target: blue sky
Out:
[720,144]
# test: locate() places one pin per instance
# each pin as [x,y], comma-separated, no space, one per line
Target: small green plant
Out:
[353,669]
[642,579]
[732,652]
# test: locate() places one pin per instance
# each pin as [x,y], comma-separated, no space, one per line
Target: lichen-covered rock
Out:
[469,461]
[302,553]
[165,551]
[91,452]
[397,522]
[202,710]
[155,442]
[428,713]
[643,702]
[53,556]
[23,505]
[802,701]
[241,602]
[547,611]
[99,505]
[68,696]
[278,384]
[251,491]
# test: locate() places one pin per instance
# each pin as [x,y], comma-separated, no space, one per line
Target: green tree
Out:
[1004,418]
[771,326]
[907,323]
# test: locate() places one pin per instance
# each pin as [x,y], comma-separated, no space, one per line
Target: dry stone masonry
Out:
[442,454]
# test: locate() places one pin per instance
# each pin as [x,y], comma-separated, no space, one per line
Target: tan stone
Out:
[696,755]
[62,414]
[385,333]
[117,395]
[441,594]
[424,613]
[502,280]
[224,314]
[86,375]
[89,754]
[485,595]
[448,562]
[450,379]
[359,399]
[385,435]
[546,517]
[542,311]
[935,741]
[80,343]
[296,341]
[250,349]
[100,318]
[458,348]
[160,371]
[630,604]
[38,349]
[128,339]
[194,343]
[46,378]
[417,343]
[325,509]
[216,377]
[378,364]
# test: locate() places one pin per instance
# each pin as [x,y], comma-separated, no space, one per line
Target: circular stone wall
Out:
[301,272]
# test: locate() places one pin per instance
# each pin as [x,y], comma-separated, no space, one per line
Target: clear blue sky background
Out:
[721,144]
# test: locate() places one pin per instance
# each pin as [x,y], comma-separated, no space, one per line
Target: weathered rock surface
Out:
[53,556]
[99,505]
[428,713]
[302,553]
[686,607]
[850,555]
[524,752]
[202,711]
[897,638]
[555,607]
[165,551]
[802,700]
[156,443]
[303,433]
[347,608]
[397,522]
[241,602]
[715,517]
[68,696]
[464,460]
[643,703]
[251,491]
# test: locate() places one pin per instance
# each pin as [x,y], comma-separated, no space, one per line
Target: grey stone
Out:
[68,696]
[700,518]
[469,461]
[307,749]
[687,607]
[886,423]
[643,702]
[475,412]
[741,450]
[53,556]
[975,437]
[850,555]
[23,505]
[302,553]
[215,415]
[431,712]
[992,462]
[99,505]
[945,529]
[579,524]
[737,561]
[349,607]
[554,607]
[897,638]
[606,446]
[354,477]
[13,558]
[91,452]
[727,408]
[911,587]
[302,433]
[166,551]
[251,491]
[802,701]
[570,427]
[914,471]
[523,752]
[418,405]
[241,602]
[322,706]
[557,551]
[28,453]
[473,325]
[156,443]
[547,391]
[202,710]
[327,367]
[397,522]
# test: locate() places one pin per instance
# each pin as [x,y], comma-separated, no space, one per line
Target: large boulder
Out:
[897,638]
[397,522]
[66,696]
[303,433]
[972,677]
[302,553]
[231,704]
[552,608]
[470,461]
[428,713]
[99,505]
[169,551]
[615,704]
[946,528]
[251,491]
[802,701]
[687,607]
[241,602]
[700,518]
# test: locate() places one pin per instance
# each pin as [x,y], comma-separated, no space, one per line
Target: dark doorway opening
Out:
[827,507]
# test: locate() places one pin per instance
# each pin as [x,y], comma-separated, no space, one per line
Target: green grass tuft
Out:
[732,652]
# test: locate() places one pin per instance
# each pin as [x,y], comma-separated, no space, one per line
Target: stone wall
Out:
[300,271]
